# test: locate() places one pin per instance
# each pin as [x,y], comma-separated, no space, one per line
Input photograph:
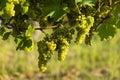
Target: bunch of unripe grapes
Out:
[59,41]
[63,46]
[83,27]
[63,38]
[64,32]
[46,50]
[9,8]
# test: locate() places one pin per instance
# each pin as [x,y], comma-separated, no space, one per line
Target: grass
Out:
[101,61]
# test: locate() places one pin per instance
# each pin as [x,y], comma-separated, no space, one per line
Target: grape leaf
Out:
[24,43]
[76,1]
[109,28]
[2,30]
[89,2]
[118,24]
[6,35]
[19,42]
[116,16]
[54,9]
[29,44]
[2,5]
[25,7]
[106,31]
[30,30]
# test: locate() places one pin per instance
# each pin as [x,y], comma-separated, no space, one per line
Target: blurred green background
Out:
[101,61]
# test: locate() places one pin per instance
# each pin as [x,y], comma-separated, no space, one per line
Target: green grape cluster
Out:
[63,37]
[65,32]
[58,41]
[83,27]
[22,5]
[9,8]
[46,49]
[63,46]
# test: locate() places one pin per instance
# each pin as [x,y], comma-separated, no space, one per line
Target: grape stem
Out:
[41,28]
[10,26]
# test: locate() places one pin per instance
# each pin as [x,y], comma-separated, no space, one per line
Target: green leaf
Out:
[109,28]
[118,24]
[116,16]
[54,9]
[89,2]
[6,35]
[24,9]
[24,43]
[76,1]
[30,30]
[19,42]
[29,44]
[2,30]
[106,31]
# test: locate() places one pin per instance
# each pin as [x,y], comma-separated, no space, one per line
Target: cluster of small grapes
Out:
[8,7]
[64,32]
[8,10]
[63,46]
[59,41]
[63,36]
[83,27]
[46,49]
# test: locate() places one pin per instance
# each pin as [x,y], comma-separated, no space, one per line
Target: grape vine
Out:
[71,21]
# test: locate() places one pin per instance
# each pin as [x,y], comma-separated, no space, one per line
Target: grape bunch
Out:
[9,9]
[83,27]
[46,50]
[64,32]
[63,37]
[63,46]
[58,41]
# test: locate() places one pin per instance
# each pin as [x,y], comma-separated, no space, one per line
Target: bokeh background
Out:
[101,61]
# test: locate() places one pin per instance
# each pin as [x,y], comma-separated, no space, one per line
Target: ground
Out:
[97,62]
